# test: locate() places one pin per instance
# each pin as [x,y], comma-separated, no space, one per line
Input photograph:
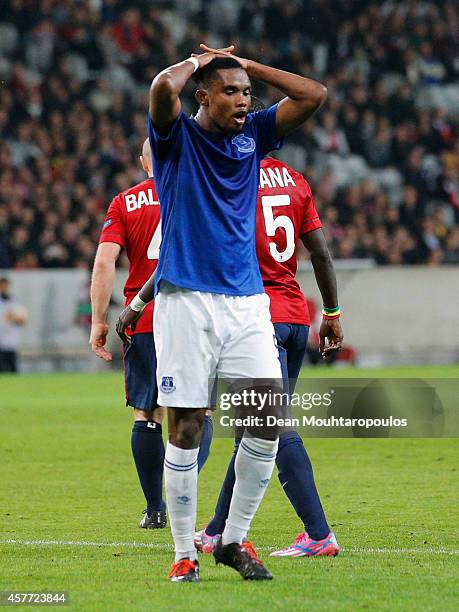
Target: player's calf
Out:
[181,476]
[253,468]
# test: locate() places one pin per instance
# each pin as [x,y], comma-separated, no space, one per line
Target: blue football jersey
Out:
[207,186]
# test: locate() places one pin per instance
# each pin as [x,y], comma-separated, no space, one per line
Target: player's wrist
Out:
[331,313]
[195,62]
[246,64]
[97,321]
[137,304]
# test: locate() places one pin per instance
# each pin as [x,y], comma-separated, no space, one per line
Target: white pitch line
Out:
[165,546]
[157,545]
[401,551]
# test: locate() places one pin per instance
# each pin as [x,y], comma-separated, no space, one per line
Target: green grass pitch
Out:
[70,505]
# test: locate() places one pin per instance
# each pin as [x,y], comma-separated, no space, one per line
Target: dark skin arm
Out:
[304,96]
[167,86]
[129,317]
[330,329]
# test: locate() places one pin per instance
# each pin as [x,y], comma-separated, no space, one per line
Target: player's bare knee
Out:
[188,434]
[263,433]
[142,415]
[158,415]
[266,407]
[185,426]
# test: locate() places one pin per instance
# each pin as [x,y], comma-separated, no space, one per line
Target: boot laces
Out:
[182,567]
[250,550]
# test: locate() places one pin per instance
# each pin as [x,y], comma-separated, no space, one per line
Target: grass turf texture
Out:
[68,475]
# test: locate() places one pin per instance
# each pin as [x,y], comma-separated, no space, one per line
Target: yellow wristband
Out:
[333,315]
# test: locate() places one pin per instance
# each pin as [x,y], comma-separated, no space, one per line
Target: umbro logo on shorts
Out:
[264,483]
[243,143]
[167,384]
[184,499]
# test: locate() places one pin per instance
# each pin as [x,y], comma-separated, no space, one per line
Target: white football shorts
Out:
[199,336]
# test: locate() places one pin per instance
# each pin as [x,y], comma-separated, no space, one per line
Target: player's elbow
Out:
[318,95]
[321,255]
[162,86]
[104,261]
[162,92]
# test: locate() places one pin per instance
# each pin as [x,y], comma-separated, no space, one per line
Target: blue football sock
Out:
[217,524]
[148,452]
[297,480]
[206,440]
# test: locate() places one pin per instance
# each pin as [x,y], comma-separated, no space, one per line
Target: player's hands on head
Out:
[128,318]
[203,58]
[210,53]
[224,50]
[331,337]
[97,340]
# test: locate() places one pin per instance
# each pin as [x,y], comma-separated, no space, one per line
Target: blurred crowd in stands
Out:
[382,156]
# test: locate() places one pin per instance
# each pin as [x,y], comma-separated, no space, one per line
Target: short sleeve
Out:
[114,229]
[167,146]
[311,219]
[264,125]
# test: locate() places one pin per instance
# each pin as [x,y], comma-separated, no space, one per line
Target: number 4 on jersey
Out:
[155,243]
[272,224]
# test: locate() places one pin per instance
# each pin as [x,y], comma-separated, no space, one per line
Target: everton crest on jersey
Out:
[244,143]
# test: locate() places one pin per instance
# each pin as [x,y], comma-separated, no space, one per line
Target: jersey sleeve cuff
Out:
[112,238]
[309,226]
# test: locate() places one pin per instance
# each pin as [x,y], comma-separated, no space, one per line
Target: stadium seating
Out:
[72,118]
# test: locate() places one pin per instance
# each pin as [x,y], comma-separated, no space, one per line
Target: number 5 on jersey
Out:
[272,224]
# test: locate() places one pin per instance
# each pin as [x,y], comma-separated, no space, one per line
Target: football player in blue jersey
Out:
[211,314]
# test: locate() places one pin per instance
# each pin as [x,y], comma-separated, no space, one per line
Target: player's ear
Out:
[202,97]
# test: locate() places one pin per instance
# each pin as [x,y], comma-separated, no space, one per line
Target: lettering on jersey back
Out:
[275,177]
[143,198]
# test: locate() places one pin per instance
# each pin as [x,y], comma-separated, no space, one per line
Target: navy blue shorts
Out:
[140,372]
[291,343]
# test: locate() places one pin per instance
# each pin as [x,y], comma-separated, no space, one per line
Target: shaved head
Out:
[205,76]
[146,151]
[146,158]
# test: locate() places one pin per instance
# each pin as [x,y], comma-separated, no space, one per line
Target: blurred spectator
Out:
[330,138]
[13,316]
[127,32]
[382,156]
[451,255]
